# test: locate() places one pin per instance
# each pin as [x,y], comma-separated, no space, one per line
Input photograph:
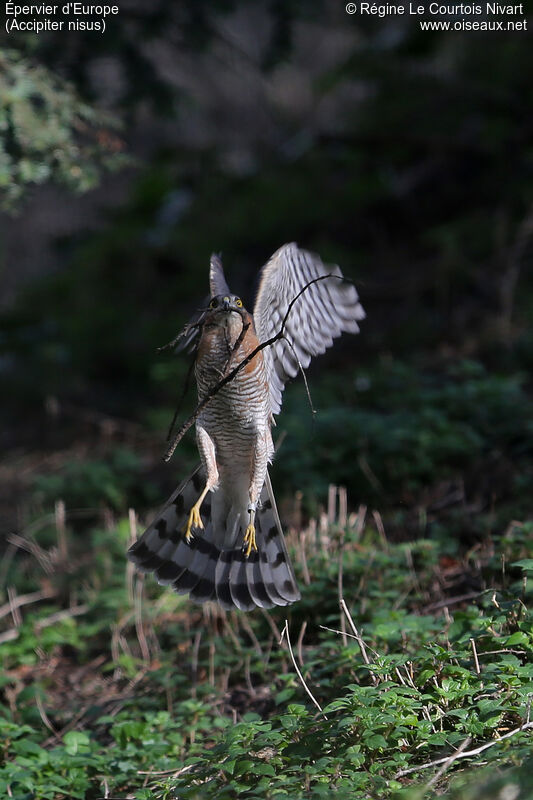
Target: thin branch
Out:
[172,772]
[285,632]
[184,332]
[44,715]
[139,627]
[32,547]
[341,633]
[362,645]
[75,611]
[304,376]
[26,599]
[9,636]
[476,659]
[15,611]
[447,764]
[340,589]
[300,643]
[468,753]
[452,601]
[61,528]
[182,398]
[231,375]
[273,627]
[248,628]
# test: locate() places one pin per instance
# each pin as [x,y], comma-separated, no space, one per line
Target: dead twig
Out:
[476,659]
[43,714]
[61,528]
[300,643]
[466,754]
[15,611]
[172,772]
[9,636]
[184,332]
[139,626]
[285,633]
[381,529]
[340,588]
[32,547]
[452,601]
[75,611]
[304,376]
[362,646]
[182,397]
[253,638]
[447,764]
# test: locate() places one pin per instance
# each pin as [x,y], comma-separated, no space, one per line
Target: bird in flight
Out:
[219,536]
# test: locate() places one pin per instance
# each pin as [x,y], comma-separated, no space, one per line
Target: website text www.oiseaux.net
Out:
[468,16]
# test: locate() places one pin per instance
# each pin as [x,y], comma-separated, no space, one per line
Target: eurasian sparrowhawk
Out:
[219,536]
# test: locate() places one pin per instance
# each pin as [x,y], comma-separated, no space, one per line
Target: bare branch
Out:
[360,642]
[304,376]
[285,633]
[182,397]
[184,332]
[466,754]
[26,599]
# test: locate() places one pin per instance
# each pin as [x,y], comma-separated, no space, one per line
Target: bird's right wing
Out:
[321,313]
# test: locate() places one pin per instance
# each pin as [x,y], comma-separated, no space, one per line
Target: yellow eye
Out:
[238,302]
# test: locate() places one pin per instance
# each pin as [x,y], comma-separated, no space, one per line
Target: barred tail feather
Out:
[206,572]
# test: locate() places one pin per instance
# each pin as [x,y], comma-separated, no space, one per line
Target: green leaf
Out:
[518,638]
[525,563]
[74,741]
[264,769]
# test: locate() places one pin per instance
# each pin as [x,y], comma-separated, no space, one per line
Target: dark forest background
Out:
[406,157]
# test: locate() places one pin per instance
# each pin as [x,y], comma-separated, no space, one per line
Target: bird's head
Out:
[226,304]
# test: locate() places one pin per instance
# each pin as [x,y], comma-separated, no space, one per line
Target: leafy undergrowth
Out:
[418,684]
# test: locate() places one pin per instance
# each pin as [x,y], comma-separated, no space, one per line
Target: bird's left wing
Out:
[217,285]
[217,279]
[319,315]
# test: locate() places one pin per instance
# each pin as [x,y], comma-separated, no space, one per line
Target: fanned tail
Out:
[206,572]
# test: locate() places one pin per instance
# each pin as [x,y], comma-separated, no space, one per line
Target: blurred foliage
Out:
[114,482]
[47,132]
[391,430]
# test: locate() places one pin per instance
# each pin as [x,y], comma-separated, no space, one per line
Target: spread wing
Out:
[320,314]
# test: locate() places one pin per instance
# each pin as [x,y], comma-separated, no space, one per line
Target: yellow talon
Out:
[194,521]
[249,540]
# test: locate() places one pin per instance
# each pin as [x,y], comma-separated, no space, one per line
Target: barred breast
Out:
[238,417]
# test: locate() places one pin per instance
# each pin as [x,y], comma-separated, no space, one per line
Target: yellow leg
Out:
[249,536]
[195,520]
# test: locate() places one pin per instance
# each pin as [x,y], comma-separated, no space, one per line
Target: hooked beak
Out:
[226,303]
